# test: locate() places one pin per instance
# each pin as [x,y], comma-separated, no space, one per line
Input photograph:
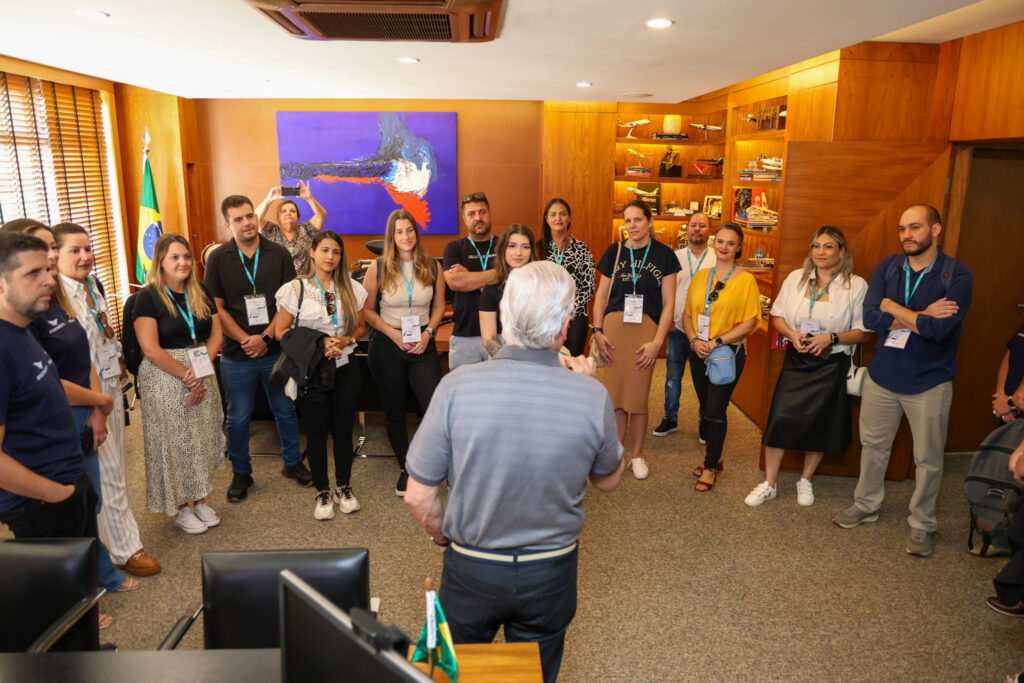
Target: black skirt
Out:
[810,408]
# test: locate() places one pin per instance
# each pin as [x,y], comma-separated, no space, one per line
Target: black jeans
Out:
[713,400]
[394,371]
[534,601]
[332,412]
[577,337]
[74,517]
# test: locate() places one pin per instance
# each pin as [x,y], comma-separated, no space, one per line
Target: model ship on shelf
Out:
[763,169]
[762,218]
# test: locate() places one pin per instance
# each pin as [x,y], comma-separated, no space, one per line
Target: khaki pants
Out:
[880,413]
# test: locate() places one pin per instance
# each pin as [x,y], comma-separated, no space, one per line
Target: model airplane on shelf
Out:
[631,125]
[705,126]
[643,193]
[636,153]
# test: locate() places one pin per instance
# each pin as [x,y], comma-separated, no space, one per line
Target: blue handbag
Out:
[721,365]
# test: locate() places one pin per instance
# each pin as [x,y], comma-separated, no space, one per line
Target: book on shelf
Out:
[670,136]
[638,171]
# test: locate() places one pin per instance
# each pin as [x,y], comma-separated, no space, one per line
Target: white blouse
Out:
[843,311]
[314,313]
[79,297]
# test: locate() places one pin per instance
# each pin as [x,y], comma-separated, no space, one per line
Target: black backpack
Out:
[992,493]
[130,348]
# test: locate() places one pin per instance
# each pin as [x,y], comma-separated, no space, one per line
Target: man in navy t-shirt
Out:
[44,491]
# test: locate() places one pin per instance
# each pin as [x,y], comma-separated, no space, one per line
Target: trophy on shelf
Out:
[631,125]
[639,170]
[669,166]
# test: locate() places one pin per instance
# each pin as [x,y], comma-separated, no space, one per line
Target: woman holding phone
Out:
[285,228]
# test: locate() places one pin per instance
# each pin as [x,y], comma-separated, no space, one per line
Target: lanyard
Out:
[255,267]
[559,256]
[186,313]
[632,264]
[707,293]
[908,293]
[408,282]
[815,296]
[334,316]
[95,311]
[690,262]
[483,259]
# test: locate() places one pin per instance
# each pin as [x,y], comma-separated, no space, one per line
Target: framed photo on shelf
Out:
[713,206]
[745,197]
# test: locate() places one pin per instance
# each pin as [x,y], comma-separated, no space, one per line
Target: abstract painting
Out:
[363,165]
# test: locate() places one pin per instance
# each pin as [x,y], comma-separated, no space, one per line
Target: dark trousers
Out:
[1009,582]
[576,340]
[74,517]
[395,371]
[331,412]
[533,601]
[714,402]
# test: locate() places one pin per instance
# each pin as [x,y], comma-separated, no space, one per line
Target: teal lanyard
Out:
[95,312]
[408,282]
[815,295]
[707,293]
[186,313]
[483,259]
[334,316]
[689,261]
[255,267]
[908,293]
[632,263]
[559,256]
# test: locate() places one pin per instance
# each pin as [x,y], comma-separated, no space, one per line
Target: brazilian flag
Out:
[435,642]
[150,227]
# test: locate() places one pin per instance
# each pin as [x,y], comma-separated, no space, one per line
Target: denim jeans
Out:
[676,350]
[534,601]
[239,378]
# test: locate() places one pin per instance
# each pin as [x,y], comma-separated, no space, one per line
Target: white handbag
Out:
[855,375]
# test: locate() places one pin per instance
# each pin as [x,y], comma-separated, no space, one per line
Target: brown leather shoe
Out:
[1015,611]
[141,564]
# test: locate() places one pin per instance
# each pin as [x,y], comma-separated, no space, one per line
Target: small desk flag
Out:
[435,641]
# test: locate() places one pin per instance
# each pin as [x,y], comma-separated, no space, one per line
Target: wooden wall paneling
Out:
[941,109]
[749,393]
[952,217]
[989,99]
[811,113]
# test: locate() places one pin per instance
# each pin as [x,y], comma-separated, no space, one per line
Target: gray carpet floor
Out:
[674,585]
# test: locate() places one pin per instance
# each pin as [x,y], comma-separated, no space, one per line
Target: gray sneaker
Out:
[853,516]
[919,542]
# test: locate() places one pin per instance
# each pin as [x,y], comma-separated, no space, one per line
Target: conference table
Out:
[512,662]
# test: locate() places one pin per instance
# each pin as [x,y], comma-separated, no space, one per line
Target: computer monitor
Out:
[319,641]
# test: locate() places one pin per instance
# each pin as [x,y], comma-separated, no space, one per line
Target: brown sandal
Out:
[699,469]
[130,584]
[703,486]
[105,621]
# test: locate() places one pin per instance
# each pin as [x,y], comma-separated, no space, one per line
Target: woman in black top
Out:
[179,333]
[632,316]
[556,244]
[515,249]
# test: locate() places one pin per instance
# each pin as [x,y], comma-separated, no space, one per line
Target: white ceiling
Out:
[224,48]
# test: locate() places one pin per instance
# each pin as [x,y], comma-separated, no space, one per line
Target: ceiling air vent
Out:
[452,21]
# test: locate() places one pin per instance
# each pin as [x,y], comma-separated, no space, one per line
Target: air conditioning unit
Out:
[445,21]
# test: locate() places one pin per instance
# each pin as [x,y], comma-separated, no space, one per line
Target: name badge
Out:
[633,311]
[109,358]
[411,329]
[199,359]
[341,360]
[256,310]
[703,327]
[809,326]
[897,339]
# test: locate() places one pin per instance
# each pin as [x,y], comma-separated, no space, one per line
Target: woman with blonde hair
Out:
[179,334]
[409,305]
[515,249]
[324,298]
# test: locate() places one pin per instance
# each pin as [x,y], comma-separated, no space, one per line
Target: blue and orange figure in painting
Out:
[150,227]
[367,164]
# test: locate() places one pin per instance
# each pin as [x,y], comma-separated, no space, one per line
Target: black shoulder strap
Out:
[298,309]
[376,304]
[948,268]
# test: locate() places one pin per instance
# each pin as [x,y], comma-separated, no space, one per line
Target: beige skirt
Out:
[629,388]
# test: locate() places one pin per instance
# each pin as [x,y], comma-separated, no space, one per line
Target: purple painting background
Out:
[363,208]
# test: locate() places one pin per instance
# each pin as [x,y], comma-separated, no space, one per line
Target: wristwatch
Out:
[835,338]
[718,340]
[431,331]
[265,337]
[595,329]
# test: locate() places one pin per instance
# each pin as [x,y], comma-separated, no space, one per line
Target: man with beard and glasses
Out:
[692,258]
[915,302]
[468,266]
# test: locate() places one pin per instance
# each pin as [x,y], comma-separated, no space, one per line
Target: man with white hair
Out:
[516,438]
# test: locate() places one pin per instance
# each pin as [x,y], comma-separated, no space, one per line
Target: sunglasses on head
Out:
[719,286]
[474,197]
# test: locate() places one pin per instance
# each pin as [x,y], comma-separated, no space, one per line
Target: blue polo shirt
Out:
[66,342]
[929,358]
[40,429]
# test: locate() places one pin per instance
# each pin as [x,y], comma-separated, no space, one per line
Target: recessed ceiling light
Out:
[92,14]
[660,23]
[637,95]
[583,84]
[408,60]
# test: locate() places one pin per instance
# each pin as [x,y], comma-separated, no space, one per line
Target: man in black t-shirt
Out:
[243,276]
[468,266]
[44,491]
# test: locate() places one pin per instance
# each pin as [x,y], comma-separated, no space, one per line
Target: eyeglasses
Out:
[329,301]
[474,197]
[719,286]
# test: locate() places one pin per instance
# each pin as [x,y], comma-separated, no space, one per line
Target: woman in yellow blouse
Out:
[722,308]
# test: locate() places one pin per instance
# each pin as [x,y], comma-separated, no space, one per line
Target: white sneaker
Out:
[701,441]
[324,506]
[188,522]
[345,499]
[804,493]
[761,494]
[206,514]
[639,467]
